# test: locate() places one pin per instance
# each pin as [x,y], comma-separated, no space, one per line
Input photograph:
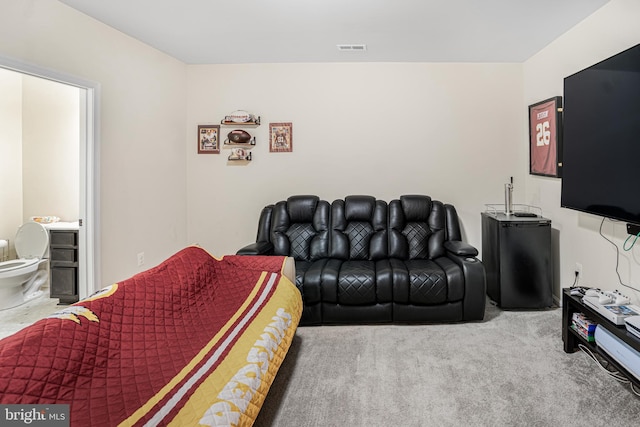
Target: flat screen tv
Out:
[601,138]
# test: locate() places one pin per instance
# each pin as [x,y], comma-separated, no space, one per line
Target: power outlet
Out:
[578,269]
[633,229]
[140,259]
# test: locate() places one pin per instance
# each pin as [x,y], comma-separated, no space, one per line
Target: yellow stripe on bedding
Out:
[144,409]
[234,393]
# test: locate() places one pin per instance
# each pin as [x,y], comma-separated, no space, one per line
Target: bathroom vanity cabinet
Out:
[63,265]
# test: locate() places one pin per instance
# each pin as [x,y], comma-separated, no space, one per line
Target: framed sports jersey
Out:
[280,137]
[545,137]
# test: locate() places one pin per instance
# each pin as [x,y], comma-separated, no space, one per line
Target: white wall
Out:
[50,154]
[608,31]
[143,122]
[10,155]
[450,131]
[39,158]
[453,131]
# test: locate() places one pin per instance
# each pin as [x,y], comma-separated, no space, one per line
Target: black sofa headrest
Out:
[416,208]
[302,208]
[359,208]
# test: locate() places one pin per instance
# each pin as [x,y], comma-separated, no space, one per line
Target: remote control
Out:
[525,214]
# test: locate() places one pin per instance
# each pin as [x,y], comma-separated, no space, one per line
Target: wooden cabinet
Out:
[63,265]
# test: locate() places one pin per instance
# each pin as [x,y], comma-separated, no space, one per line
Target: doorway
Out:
[89,195]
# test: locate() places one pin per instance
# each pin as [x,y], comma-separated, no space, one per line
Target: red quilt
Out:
[192,341]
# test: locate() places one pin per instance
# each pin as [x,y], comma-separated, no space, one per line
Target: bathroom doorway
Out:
[87,188]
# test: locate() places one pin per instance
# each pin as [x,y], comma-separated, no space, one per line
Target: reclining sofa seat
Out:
[361,260]
[299,228]
[427,284]
[357,282]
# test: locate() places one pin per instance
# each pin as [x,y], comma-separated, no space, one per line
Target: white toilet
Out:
[22,278]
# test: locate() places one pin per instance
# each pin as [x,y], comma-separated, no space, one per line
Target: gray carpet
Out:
[508,370]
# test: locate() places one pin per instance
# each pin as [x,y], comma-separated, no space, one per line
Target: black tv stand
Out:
[571,339]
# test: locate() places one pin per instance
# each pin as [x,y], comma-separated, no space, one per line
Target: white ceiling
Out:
[259,31]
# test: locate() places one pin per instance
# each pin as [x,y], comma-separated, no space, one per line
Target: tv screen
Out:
[601,138]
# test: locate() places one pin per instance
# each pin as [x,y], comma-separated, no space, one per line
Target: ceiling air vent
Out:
[352,47]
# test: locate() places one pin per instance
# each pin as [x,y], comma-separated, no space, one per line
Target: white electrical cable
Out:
[616,375]
[617,257]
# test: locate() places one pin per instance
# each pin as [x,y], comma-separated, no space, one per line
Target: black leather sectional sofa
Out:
[363,260]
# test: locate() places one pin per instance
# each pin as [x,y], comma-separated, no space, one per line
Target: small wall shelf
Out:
[240,144]
[240,151]
[254,122]
[246,158]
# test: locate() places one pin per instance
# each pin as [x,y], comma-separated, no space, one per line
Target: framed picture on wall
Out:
[208,139]
[280,137]
[545,137]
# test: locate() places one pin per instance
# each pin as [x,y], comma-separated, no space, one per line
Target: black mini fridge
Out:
[516,253]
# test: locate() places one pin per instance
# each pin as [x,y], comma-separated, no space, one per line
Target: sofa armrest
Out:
[475,285]
[257,248]
[460,248]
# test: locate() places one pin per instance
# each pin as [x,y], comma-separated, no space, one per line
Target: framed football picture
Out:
[208,139]
[545,137]
[280,137]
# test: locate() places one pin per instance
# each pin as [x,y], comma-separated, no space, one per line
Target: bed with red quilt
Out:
[194,341]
